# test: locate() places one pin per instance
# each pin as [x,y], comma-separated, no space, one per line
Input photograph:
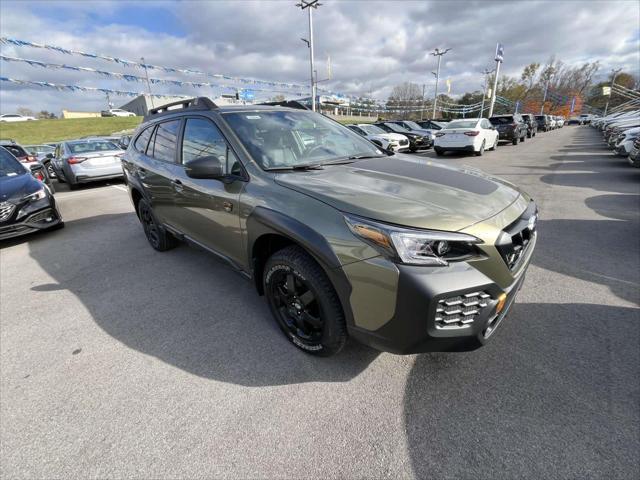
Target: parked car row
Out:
[399,135]
[476,135]
[621,132]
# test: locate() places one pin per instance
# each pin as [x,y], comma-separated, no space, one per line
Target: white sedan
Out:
[389,141]
[14,117]
[469,135]
[117,112]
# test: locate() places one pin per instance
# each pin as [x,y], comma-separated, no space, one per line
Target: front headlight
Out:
[37,195]
[415,247]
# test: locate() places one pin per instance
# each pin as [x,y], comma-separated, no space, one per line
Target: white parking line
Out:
[119,187]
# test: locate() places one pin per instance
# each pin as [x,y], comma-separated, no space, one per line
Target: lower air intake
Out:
[460,311]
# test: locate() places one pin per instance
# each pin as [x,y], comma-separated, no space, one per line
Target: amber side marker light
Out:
[502,300]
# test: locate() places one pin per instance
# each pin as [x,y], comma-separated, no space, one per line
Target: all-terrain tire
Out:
[331,333]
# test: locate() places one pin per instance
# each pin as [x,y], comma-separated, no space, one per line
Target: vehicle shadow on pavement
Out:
[590,171]
[183,307]
[554,395]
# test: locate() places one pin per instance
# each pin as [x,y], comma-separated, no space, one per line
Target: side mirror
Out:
[49,156]
[209,167]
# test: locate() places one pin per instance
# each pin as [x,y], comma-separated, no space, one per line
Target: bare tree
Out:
[404,98]
[25,112]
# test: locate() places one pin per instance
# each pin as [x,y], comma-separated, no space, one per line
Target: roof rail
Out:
[199,103]
[287,103]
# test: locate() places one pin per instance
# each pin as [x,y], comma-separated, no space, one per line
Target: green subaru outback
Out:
[343,239]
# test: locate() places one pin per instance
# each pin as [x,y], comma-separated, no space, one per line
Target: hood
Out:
[391,136]
[396,136]
[405,191]
[424,132]
[16,187]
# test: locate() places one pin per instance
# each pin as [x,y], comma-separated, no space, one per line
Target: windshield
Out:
[88,147]
[9,166]
[372,129]
[288,139]
[461,124]
[397,128]
[36,149]
[413,125]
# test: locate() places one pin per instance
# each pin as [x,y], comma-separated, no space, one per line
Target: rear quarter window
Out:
[143,140]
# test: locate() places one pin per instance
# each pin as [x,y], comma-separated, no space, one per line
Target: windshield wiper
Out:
[303,167]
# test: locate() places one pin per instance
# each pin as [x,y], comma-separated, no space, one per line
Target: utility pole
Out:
[422,108]
[437,53]
[498,59]
[144,64]
[310,5]
[484,92]
[613,81]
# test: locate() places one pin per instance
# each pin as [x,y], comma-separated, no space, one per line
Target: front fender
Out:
[265,221]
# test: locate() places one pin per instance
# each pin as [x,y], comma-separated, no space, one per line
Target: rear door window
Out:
[163,146]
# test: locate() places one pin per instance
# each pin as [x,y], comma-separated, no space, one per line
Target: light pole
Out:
[613,81]
[437,53]
[498,59]
[144,64]
[486,73]
[310,5]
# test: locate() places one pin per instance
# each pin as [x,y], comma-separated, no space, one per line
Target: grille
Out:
[6,209]
[515,239]
[460,311]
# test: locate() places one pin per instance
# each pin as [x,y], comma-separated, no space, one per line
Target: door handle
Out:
[177,185]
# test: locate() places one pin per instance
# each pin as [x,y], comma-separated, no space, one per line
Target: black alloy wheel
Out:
[156,235]
[304,302]
[298,310]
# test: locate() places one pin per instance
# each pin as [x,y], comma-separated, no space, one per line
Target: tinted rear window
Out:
[501,120]
[16,151]
[9,166]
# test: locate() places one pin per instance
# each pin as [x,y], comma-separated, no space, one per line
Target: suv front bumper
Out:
[418,325]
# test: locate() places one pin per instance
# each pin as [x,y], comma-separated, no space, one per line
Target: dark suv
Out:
[532,125]
[543,122]
[510,127]
[342,238]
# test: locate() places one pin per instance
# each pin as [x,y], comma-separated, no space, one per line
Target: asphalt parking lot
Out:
[119,361]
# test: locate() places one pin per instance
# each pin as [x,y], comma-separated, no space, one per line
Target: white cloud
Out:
[373,45]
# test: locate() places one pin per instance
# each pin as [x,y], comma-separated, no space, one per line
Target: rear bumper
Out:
[80,174]
[507,135]
[465,148]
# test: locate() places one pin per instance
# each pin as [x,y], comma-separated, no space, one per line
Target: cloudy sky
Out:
[373,45]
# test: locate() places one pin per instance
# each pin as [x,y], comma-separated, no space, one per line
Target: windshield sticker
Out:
[253,117]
